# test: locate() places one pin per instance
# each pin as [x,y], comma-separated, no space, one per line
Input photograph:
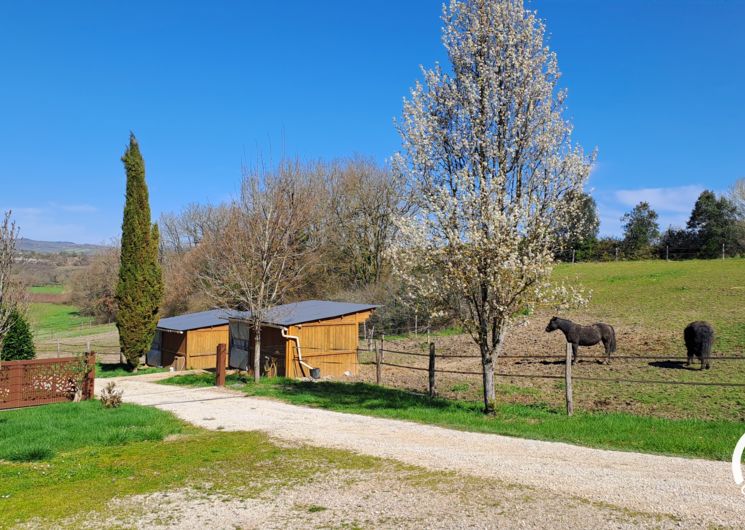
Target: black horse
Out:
[699,338]
[578,335]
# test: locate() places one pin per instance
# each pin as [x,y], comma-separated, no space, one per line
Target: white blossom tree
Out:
[487,156]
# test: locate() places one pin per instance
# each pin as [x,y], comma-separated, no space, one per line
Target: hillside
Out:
[55,247]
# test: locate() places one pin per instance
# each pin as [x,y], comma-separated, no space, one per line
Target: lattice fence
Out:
[42,381]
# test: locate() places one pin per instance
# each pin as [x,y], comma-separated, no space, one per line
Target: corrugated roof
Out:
[203,319]
[307,311]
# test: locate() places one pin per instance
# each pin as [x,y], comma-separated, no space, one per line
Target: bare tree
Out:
[488,158]
[262,254]
[364,199]
[183,231]
[10,292]
[94,288]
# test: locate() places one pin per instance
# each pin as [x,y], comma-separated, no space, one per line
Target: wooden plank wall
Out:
[172,345]
[201,346]
[330,345]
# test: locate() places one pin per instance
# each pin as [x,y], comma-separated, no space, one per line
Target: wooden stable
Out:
[189,342]
[325,335]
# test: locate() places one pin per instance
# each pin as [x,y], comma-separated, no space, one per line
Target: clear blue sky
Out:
[657,86]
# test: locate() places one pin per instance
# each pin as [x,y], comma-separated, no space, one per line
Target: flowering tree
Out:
[488,159]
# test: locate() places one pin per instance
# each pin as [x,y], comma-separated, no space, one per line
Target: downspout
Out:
[299,352]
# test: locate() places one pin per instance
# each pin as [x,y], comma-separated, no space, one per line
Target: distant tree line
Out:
[716,225]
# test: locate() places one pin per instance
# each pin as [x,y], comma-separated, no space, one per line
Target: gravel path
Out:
[697,492]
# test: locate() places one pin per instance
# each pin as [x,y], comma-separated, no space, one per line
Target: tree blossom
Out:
[487,157]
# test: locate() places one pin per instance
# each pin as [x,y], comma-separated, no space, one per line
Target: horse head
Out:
[553,324]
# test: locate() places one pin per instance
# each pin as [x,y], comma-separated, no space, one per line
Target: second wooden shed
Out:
[189,341]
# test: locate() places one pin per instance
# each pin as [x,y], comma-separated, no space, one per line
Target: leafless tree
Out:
[94,288]
[364,199]
[10,292]
[262,255]
[183,231]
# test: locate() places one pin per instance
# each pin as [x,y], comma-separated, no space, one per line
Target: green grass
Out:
[666,296]
[51,288]
[39,433]
[62,320]
[121,370]
[99,454]
[693,438]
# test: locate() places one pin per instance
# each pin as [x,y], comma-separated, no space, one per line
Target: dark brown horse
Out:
[578,335]
[699,338]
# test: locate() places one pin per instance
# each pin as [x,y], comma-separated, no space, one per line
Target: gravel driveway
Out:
[697,492]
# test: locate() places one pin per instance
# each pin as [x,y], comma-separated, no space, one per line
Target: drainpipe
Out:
[299,352]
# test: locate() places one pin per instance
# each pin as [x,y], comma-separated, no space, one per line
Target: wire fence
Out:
[432,370]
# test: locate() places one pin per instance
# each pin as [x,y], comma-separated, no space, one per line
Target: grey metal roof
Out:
[203,319]
[306,311]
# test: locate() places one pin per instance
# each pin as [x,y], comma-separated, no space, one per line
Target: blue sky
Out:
[657,86]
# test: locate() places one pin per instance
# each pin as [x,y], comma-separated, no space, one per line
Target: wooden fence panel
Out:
[43,381]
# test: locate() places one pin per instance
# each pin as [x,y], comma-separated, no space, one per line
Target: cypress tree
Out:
[140,287]
[18,343]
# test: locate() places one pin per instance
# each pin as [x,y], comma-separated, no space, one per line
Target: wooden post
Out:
[667,252]
[222,352]
[416,325]
[432,390]
[722,250]
[568,380]
[378,360]
[573,255]
[90,376]
[382,341]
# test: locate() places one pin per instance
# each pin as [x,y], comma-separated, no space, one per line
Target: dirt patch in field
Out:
[530,338]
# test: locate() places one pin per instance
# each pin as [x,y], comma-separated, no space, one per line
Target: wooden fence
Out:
[42,381]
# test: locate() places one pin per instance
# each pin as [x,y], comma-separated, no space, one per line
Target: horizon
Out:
[207,89]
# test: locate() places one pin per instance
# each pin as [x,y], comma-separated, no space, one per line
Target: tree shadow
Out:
[672,365]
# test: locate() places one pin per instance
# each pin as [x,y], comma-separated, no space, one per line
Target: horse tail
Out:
[612,339]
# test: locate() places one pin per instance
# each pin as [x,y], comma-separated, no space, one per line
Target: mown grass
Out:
[667,295]
[693,438]
[39,433]
[100,454]
[121,370]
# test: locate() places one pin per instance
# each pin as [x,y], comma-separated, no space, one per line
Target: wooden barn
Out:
[297,338]
[189,341]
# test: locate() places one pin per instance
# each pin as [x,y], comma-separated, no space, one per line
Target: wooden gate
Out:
[42,381]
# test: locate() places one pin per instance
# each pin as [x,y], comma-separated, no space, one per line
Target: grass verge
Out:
[39,433]
[692,438]
[121,370]
[101,454]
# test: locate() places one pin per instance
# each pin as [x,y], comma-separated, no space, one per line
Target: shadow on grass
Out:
[672,365]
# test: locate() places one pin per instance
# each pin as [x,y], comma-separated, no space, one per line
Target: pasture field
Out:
[53,322]
[649,303]
[661,297]
[51,288]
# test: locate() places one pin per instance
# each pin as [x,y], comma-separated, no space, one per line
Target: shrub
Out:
[111,397]
[18,343]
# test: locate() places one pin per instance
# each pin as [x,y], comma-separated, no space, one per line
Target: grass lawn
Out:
[694,438]
[120,370]
[94,455]
[667,295]
[39,433]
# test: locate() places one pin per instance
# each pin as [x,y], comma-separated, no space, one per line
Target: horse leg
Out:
[575,349]
[606,343]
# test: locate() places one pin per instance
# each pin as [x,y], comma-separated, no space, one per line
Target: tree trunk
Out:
[257,353]
[487,368]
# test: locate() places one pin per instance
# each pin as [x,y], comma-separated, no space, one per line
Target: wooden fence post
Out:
[568,380]
[222,351]
[432,391]
[378,360]
[90,375]
[382,353]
